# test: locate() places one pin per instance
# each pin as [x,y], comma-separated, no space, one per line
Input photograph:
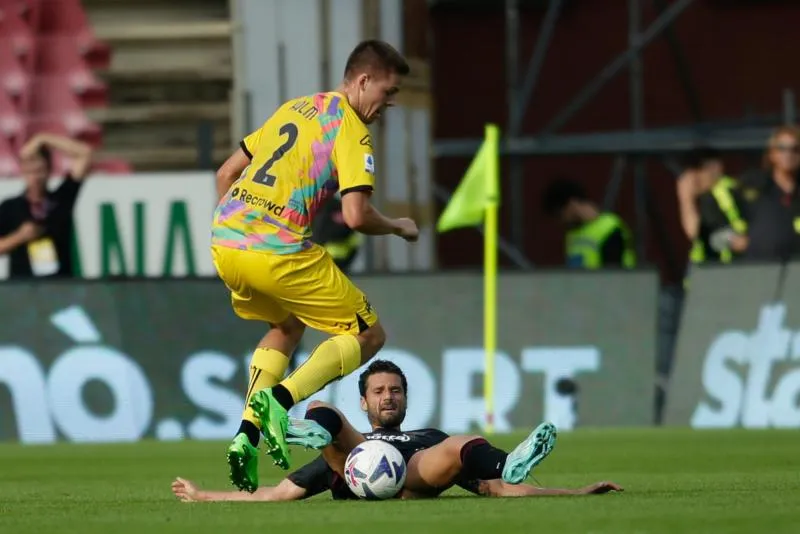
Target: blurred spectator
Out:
[690,185]
[710,214]
[36,226]
[595,239]
[770,201]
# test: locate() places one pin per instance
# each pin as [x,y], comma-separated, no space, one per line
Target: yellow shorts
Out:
[308,284]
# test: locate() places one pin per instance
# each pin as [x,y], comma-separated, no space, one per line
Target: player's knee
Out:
[292,328]
[326,416]
[379,337]
[462,444]
[314,405]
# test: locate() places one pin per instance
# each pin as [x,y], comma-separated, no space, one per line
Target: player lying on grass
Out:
[435,460]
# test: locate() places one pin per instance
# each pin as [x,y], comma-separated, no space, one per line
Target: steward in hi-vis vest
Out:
[595,239]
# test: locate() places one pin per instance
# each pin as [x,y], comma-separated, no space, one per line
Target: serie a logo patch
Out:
[369,163]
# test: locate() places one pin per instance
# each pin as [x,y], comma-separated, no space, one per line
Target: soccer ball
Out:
[375,470]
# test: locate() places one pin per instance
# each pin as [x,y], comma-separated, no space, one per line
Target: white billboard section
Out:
[346,30]
[283,52]
[301,47]
[406,169]
[407,185]
[260,80]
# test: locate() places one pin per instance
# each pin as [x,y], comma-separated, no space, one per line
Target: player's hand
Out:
[739,243]
[185,490]
[601,487]
[407,229]
[32,147]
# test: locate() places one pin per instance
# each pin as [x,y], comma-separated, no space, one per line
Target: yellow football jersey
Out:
[309,149]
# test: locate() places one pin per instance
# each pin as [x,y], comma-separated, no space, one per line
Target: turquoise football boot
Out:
[529,453]
[307,433]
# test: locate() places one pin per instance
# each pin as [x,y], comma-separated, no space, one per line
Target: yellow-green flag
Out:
[476,200]
[478,189]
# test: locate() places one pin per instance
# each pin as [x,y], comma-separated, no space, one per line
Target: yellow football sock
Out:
[267,367]
[334,358]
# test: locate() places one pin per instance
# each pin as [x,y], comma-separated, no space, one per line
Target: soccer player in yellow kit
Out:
[308,149]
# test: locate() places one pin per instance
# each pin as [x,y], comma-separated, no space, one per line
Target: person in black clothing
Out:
[768,201]
[771,200]
[467,461]
[36,226]
[710,212]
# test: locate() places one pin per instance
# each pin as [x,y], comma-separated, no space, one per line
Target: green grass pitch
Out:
[676,481]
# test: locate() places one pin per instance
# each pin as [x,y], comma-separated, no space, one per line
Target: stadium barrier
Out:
[124,360]
[737,359]
[157,225]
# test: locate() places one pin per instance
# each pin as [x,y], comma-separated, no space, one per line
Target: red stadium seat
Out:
[67,18]
[16,32]
[55,107]
[47,52]
[59,56]
[13,78]
[8,161]
[29,11]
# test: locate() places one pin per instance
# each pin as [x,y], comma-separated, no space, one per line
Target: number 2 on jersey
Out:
[262,177]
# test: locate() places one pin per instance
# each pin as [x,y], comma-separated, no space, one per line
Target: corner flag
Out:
[476,200]
[478,189]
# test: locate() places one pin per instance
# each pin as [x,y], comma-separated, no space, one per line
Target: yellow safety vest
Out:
[724,197]
[586,243]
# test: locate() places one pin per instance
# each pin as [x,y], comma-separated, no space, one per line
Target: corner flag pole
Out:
[490,270]
[476,200]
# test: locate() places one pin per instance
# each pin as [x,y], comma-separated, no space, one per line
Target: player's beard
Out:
[386,419]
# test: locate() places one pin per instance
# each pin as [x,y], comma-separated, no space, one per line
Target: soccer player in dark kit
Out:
[435,460]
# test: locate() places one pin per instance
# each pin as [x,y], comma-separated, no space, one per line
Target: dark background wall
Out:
[739,57]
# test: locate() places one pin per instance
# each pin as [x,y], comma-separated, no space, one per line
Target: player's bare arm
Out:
[78,152]
[686,190]
[360,215]
[230,171]
[286,490]
[498,488]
